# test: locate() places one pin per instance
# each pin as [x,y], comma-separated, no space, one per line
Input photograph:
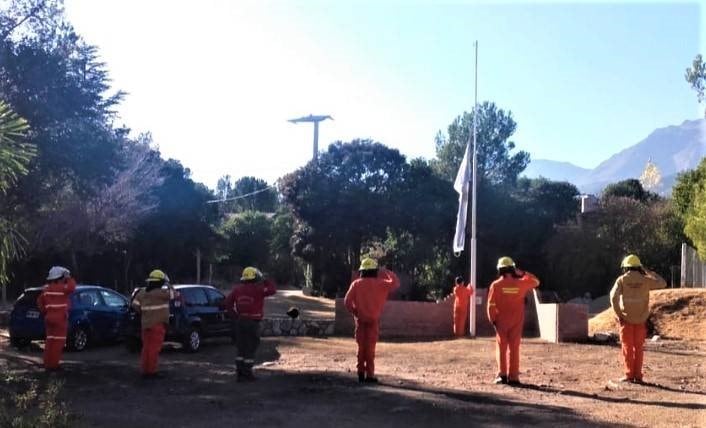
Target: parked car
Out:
[196,312]
[97,314]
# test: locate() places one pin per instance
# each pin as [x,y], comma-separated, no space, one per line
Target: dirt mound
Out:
[674,314]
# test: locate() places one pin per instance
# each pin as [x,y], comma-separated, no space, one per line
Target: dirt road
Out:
[307,382]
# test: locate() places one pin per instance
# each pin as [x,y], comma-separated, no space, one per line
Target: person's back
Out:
[369,296]
[631,296]
[247,299]
[507,297]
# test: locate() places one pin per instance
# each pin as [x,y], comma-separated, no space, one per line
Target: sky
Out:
[216,81]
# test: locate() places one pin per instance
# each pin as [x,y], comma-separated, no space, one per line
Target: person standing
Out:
[365,300]
[506,311]
[630,299]
[152,302]
[462,300]
[246,303]
[54,304]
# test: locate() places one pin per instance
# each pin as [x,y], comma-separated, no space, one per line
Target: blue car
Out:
[97,314]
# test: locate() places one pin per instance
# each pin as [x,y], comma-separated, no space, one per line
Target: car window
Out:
[89,298]
[113,300]
[194,296]
[215,297]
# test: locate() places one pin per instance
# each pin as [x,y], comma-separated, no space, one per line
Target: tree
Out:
[696,76]
[344,199]
[246,240]
[495,162]
[689,195]
[695,227]
[630,188]
[30,18]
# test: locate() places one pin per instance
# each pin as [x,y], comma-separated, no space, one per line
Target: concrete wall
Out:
[405,319]
[562,322]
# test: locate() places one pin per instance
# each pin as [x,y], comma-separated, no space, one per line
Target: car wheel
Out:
[78,339]
[192,340]
[19,342]
[133,344]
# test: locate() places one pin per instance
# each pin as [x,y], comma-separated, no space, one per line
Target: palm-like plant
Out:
[15,155]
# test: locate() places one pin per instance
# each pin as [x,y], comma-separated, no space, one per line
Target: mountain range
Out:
[672,149]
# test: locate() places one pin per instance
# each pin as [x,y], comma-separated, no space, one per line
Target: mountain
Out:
[673,149]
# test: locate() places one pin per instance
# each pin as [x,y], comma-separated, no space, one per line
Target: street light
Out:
[315,120]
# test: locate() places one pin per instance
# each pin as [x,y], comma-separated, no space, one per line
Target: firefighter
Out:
[365,299]
[506,311]
[54,304]
[152,302]
[246,303]
[630,298]
[462,295]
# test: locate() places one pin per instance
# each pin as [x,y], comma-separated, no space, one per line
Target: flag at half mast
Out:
[462,186]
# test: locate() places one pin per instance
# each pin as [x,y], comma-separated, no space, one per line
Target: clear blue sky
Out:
[215,81]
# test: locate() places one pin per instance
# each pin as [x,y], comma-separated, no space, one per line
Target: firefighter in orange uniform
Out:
[152,302]
[506,311]
[630,298]
[365,299]
[462,295]
[54,304]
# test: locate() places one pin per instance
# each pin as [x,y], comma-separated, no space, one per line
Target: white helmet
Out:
[57,272]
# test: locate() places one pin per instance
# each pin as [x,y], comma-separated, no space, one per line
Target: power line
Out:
[234,198]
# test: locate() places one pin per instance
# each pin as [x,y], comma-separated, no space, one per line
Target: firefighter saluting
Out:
[506,311]
[152,302]
[54,304]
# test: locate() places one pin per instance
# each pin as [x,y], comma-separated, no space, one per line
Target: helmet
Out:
[57,272]
[368,264]
[157,275]
[631,261]
[250,273]
[504,262]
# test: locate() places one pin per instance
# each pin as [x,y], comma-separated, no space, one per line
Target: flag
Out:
[461,186]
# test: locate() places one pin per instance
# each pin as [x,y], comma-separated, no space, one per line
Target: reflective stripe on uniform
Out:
[248,361]
[53,293]
[56,337]
[155,307]
[57,305]
[513,290]
[491,304]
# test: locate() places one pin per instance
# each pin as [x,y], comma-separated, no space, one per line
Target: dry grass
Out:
[675,314]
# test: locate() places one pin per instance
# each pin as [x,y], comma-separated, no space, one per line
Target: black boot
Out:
[501,379]
[361,377]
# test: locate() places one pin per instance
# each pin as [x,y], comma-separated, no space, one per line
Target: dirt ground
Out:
[306,382]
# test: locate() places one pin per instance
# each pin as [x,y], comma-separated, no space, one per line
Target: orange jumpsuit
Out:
[630,298]
[365,299]
[54,304]
[462,295]
[506,310]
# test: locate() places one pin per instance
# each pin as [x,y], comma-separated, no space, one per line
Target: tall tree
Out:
[696,77]
[496,163]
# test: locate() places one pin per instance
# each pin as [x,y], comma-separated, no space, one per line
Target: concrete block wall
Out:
[573,322]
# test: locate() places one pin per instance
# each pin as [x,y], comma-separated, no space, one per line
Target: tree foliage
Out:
[696,76]
[630,188]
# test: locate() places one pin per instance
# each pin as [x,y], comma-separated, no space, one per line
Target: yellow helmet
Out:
[504,262]
[368,264]
[631,261]
[250,273]
[157,275]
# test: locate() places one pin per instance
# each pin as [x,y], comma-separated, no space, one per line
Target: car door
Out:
[94,312]
[221,322]
[196,303]
[116,310]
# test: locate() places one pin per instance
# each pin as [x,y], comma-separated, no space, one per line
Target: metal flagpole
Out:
[473,252]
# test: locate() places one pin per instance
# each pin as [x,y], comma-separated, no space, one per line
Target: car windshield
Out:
[28,298]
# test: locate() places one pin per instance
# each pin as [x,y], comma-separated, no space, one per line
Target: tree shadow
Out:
[597,397]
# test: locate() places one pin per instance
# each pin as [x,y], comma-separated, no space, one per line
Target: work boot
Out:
[500,380]
[625,379]
[361,377]
[638,381]
[514,382]
[371,379]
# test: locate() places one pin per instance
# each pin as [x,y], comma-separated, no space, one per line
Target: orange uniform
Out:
[54,304]
[365,299]
[506,310]
[630,298]
[462,295]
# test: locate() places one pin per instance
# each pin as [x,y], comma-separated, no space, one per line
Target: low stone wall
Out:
[297,327]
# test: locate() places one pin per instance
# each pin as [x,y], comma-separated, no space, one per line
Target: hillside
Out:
[675,314]
[673,149]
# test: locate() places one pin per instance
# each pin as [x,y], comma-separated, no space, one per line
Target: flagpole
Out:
[473,252]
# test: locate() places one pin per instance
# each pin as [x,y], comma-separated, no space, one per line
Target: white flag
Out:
[461,185]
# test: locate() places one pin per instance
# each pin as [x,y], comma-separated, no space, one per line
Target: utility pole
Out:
[315,120]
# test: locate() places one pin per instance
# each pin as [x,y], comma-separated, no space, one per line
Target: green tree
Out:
[695,227]
[247,237]
[496,164]
[687,185]
[630,188]
[696,76]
